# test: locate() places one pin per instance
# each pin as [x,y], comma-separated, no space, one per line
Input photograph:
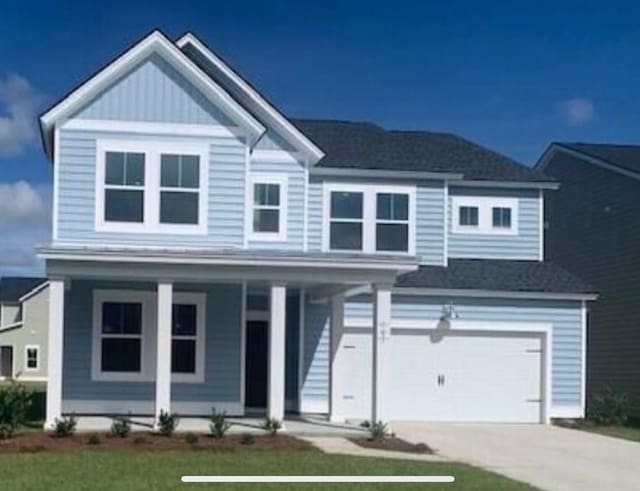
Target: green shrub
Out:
[247,439]
[167,423]
[121,427]
[272,425]
[15,401]
[94,439]
[65,426]
[219,424]
[191,438]
[609,408]
[378,430]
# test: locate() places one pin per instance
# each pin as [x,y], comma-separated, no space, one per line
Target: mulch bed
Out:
[393,444]
[147,442]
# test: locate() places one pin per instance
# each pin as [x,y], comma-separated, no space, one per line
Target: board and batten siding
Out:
[565,317]
[156,92]
[77,193]
[295,175]
[524,245]
[222,351]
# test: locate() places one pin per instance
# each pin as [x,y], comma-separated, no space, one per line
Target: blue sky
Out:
[509,75]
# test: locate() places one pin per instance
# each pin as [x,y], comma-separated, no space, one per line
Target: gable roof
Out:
[625,157]
[496,275]
[362,145]
[13,288]
[247,95]
[156,42]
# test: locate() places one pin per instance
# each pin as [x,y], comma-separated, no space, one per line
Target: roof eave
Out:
[480,293]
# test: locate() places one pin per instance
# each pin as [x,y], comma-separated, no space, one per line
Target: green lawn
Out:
[626,432]
[101,470]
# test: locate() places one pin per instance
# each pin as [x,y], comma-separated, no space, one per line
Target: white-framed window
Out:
[267,218]
[31,358]
[125,332]
[151,186]
[484,215]
[369,218]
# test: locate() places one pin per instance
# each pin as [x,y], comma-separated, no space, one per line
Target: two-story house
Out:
[209,252]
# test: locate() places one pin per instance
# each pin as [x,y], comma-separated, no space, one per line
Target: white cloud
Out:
[19,101]
[577,111]
[21,206]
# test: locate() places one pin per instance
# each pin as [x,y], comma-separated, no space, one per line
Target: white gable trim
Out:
[155,42]
[280,123]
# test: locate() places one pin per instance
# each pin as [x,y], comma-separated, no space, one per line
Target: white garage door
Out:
[462,376]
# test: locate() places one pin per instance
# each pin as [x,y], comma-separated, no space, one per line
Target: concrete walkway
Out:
[551,458]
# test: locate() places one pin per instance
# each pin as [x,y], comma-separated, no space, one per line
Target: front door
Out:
[6,361]
[257,365]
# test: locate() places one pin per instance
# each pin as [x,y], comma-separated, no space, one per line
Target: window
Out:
[346,220]
[121,337]
[31,358]
[484,215]
[179,188]
[369,218]
[392,222]
[151,186]
[183,344]
[501,217]
[124,187]
[268,214]
[468,216]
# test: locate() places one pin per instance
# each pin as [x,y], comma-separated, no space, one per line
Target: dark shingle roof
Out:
[355,145]
[13,287]
[624,156]
[496,275]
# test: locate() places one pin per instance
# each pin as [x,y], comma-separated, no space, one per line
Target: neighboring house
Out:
[593,222]
[209,252]
[24,325]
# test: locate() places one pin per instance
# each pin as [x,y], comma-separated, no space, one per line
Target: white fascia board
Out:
[31,293]
[154,42]
[438,292]
[507,184]
[382,173]
[279,122]
[8,327]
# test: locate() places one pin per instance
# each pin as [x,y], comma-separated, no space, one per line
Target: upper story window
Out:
[151,187]
[369,218]
[31,358]
[484,215]
[268,213]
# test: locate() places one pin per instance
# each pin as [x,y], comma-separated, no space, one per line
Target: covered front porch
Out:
[141,332]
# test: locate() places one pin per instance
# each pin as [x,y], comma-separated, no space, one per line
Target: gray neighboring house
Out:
[24,324]
[593,232]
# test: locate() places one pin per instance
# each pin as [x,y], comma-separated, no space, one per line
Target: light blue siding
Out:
[565,316]
[524,245]
[223,348]
[76,195]
[314,219]
[273,141]
[430,229]
[154,92]
[295,175]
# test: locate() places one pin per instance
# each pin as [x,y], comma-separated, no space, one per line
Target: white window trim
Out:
[282,181]
[26,357]
[151,216]
[369,215]
[149,332]
[485,205]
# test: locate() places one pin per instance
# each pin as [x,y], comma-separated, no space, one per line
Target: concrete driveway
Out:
[551,458]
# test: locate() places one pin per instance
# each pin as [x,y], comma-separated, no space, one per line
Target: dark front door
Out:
[257,364]
[6,361]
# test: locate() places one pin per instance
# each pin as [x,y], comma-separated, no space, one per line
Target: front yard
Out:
[625,432]
[101,470]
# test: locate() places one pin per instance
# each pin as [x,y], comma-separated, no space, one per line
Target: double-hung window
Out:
[392,222]
[179,188]
[31,358]
[369,218]
[124,187]
[268,212]
[188,337]
[121,337]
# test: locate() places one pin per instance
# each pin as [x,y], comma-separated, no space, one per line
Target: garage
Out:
[457,375]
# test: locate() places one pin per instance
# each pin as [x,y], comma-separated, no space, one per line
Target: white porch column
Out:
[54,357]
[335,373]
[381,353]
[277,300]
[163,359]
